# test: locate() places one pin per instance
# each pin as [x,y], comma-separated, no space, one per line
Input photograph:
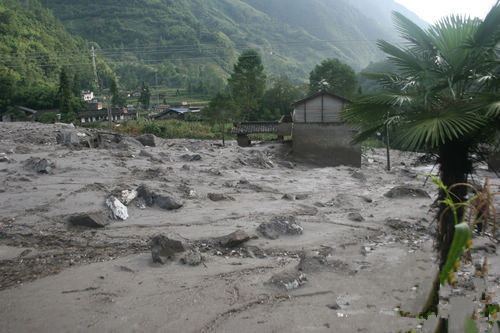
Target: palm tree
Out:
[444,97]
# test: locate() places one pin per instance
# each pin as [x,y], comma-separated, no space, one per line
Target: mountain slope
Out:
[179,42]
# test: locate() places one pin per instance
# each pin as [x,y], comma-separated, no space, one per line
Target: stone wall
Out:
[325,144]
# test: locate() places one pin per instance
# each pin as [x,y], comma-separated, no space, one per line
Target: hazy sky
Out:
[432,10]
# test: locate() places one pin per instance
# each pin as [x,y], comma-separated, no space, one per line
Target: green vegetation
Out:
[444,98]
[34,46]
[333,76]
[193,44]
[173,129]
[247,84]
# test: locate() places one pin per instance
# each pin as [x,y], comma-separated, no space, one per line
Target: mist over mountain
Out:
[183,42]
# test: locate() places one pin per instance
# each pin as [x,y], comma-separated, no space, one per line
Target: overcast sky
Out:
[432,10]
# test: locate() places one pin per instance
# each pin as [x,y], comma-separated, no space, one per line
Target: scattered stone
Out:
[306,210]
[288,196]
[287,164]
[127,196]
[219,197]
[359,176]
[191,158]
[398,224]
[90,220]
[118,210]
[40,165]
[288,280]
[163,248]
[22,150]
[68,137]
[145,154]
[191,258]
[234,239]
[186,167]
[147,194]
[406,192]
[356,217]
[302,196]
[4,158]
[166,202]
[334,306]
[147,140]
[214,172]
[281,225]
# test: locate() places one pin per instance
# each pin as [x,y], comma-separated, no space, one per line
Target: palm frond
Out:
[487,33]
[405,60]
[411,31]
[429,130]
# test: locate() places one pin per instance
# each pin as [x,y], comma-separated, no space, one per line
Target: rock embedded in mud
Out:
[234,239]
[40,165]
[359,176]
[288,280]
[356,217]
[90,220]
[145,153]
[147,140]
[118,210]
[219,197]
[127,196]
[398,224]
[191,158]
[281,225]
[164,248]
[287,164]
[166,202]
[405,191]
[191,258]
[288,196]
[147,194]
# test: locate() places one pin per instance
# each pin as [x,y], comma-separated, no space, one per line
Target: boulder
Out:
[40,165]
[359,176]
[127,196]
[90,220]
[356,217]
[166,202]
[118,210]
[281,225]
[145,153]
[287,164]
[68,137]
[147,194]
[147,140]
[191,158]
[405,191]
[219,197]
[164,248]
[234,239]
[191,258]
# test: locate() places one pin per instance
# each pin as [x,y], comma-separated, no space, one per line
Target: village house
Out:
[318,133]
[87,96]
[180,113]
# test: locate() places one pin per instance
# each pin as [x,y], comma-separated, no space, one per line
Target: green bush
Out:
[48,118]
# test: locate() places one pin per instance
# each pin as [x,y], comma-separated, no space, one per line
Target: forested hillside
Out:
[181,43]
[34,46]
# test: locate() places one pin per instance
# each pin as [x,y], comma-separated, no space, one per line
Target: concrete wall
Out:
[325,144]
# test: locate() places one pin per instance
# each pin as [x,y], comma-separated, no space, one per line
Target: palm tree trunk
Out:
[455,166]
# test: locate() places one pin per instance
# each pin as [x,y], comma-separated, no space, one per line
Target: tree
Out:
[444,97]
[65,97]
[145,96]
[117,98]
[221,110]
[247,84]
[278,99]
[333,76]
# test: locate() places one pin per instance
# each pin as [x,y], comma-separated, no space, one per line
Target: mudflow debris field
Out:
[102,232]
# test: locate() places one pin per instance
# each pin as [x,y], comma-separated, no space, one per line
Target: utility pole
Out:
[157,91]
[96,79]
[388,147]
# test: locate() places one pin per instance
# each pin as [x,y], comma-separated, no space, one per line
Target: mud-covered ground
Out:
[317,249]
